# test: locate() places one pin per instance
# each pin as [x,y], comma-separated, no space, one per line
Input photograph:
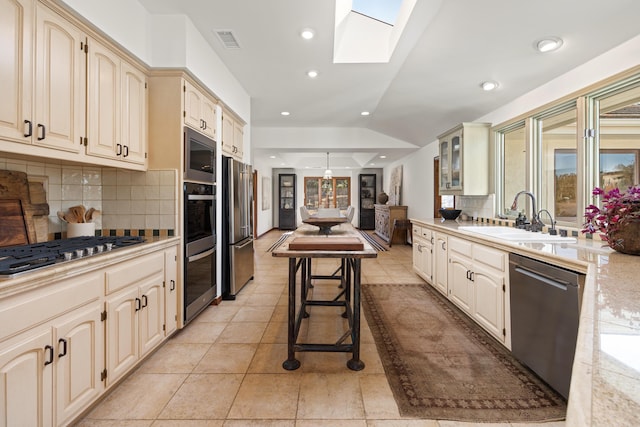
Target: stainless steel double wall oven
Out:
[199,223]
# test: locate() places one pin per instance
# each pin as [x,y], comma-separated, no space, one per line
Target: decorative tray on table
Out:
[325,224]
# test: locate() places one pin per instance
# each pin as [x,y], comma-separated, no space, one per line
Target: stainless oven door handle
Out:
[249,242]
[200,197]
[201,255]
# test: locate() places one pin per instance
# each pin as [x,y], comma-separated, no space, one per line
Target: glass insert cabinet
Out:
[287,201]
[367,220]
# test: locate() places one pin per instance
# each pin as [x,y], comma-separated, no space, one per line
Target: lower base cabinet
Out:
[477,283]
[422,252]
[471,275]
[135,312]
[54,338]
[50,372]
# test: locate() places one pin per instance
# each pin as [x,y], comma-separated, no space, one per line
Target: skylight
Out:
[367,31]
[382,10]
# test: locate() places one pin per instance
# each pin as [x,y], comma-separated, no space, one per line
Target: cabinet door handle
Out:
[126,150]
[144,301]
[173,285]
[204,124]
[444,246]
[472,276]
[44,132]
[64,347]
[49,349]
[119,149]
[138,302]
[432,240]
[30,131]
[468,278]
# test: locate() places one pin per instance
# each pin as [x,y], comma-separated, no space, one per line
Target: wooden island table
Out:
[344,243]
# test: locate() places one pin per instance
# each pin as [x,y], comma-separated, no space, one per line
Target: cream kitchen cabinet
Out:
[135,312]
[116,107]
[477,283]
[16,70]
[26,379]
[440,262]
[232,136]
[44,101]
[52,352]
[423,252]
[466,144]
[200,111]
[171,290]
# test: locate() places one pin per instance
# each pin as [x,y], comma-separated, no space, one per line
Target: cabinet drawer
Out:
[460,246]
[134,271]
[490,257]
[417,230]
[426,234]
[23,311]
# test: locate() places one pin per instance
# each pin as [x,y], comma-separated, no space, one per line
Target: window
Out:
[561,153]
[512,161]
[555,137]
[327,193]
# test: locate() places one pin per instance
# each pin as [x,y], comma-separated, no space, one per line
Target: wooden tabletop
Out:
[339,231]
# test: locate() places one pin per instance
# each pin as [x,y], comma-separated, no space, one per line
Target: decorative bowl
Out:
[450,213]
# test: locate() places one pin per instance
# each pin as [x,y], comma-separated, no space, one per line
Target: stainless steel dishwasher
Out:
[545,309]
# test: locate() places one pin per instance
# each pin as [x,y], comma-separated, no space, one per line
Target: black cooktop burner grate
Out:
[19,259]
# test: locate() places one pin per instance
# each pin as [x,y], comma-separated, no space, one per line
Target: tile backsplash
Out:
[128,200]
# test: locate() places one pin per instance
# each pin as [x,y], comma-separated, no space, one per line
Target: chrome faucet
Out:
[536,224]
[552,230]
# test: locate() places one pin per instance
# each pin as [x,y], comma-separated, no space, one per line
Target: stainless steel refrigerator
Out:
[237,226]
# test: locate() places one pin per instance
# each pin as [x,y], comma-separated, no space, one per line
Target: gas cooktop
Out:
[16,260]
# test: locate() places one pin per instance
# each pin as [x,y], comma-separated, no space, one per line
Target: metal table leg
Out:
[291,363]
[355,364]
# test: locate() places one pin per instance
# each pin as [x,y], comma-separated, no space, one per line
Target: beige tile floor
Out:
[225,367]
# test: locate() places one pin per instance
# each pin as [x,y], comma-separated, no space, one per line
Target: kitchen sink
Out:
[516,235]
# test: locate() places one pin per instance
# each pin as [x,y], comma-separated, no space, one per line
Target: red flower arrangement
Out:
[619,209]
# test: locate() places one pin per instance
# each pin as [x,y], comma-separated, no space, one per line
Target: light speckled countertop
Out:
[605,384]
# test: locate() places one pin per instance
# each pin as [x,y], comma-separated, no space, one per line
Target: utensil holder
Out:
[81,229]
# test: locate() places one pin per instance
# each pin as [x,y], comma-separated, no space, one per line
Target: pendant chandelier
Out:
[327,173]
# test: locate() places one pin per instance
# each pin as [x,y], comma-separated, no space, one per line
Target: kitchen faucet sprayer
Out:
[536,224]
[552,230]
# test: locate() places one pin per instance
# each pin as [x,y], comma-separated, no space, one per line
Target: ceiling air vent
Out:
[227,39]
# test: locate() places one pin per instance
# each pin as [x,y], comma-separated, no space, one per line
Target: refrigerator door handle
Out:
[245,244]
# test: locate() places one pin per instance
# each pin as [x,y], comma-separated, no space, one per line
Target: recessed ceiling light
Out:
[372,164]
[307,34]
[548,44]
[489,85]
[365,113]
[312,73]
[383,157]
[272,157]
[285,113]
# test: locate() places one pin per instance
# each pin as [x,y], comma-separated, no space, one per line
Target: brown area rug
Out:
[441,365]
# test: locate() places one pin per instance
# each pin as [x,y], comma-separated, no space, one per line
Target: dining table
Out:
[346,244]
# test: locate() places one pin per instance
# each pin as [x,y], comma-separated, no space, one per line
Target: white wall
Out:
[417,180]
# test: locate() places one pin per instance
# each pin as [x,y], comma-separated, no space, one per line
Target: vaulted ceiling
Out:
[431,83]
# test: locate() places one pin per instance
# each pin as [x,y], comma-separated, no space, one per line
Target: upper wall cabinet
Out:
[200,111]
[232,136]
[116,107]
[48,99]
[464,160]
[50,113]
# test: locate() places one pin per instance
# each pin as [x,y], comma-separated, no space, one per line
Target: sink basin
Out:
[516,235]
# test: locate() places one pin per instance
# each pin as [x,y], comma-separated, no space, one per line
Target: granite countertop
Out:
[605,384]
[45,275]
